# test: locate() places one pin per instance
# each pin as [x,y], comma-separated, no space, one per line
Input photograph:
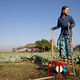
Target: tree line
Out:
[45,45]
[41,46]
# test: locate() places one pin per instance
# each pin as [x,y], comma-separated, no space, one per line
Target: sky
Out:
[26,21]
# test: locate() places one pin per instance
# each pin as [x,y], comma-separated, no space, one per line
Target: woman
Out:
[64,21]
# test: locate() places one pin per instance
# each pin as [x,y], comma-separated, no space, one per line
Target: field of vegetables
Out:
[12,57]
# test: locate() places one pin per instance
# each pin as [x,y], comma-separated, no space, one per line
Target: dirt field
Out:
[26,71]
[20,71]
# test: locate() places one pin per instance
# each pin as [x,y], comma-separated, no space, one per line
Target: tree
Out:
[39,45]
[44,45]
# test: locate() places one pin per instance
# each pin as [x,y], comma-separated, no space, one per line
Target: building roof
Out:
[31,45]
[28,46]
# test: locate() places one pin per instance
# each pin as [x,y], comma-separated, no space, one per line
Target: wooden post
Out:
[52,46]
[71,51]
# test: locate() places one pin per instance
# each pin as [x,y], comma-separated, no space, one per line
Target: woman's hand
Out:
[51,29]
[69,25]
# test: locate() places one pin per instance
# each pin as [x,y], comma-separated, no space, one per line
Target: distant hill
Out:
[77,48]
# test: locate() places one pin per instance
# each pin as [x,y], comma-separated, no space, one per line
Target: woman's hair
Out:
[63,8]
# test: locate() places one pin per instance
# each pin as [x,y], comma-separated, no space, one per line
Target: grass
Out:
[22,71]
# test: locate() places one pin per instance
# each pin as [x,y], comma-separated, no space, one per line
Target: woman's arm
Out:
[72,22]
[57,26]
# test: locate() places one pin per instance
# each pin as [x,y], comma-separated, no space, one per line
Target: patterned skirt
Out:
[63,46]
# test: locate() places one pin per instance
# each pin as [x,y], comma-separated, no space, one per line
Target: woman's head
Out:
[64,10]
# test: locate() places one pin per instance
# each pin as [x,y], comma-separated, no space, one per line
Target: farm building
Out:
[28,48]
